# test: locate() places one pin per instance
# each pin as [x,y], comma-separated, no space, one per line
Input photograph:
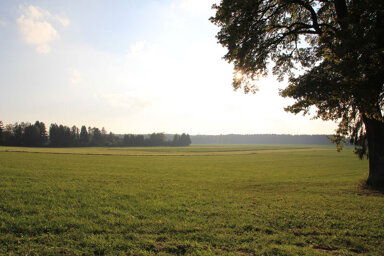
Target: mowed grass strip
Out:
[285,201]
[194,150]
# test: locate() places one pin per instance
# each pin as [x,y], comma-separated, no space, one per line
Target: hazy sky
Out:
[132,66]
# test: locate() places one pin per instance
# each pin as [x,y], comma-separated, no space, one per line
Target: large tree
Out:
[84,136]
[43,133]
[337,48]
[31,136]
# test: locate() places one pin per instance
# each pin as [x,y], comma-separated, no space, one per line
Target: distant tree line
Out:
[277,139]
[36,135]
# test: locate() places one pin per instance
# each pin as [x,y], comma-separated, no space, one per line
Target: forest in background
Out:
[274,139]
[36,135]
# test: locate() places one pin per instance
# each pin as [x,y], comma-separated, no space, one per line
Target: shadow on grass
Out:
[369,189]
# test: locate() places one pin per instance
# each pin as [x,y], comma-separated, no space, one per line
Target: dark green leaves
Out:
[339,44]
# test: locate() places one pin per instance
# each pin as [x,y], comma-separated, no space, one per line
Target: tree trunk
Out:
[375,135]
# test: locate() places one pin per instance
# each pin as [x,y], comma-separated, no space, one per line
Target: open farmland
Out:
[198,200]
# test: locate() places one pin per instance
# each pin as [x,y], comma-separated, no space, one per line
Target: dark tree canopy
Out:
[337,48]
[84,136]
[35,135]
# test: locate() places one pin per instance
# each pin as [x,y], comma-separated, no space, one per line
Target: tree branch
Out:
[309,8]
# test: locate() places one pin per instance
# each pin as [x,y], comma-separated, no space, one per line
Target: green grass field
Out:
[198,200]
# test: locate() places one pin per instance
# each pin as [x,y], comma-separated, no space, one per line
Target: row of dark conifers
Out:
[37,135]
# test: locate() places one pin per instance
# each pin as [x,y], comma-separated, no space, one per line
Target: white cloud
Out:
[3,23]
[43,48]
[137,47]
[75,77]
[36,27]
[61,20]
[36,13]
[36,32]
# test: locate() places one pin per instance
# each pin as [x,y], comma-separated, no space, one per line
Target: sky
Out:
[131,66]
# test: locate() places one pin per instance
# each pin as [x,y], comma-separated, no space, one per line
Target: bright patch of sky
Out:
[131,66]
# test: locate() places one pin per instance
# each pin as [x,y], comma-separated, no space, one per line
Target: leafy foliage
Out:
[337,49]
[23,134]
[337,44]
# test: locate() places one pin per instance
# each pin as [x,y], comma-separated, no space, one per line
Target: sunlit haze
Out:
[131,67]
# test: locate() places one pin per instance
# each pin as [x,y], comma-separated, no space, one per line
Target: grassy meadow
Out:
[197,200]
